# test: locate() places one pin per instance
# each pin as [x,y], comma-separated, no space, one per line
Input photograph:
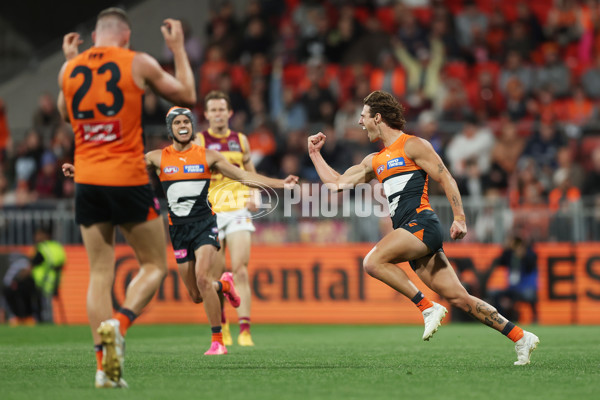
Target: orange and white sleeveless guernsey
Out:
[226,194]
[185,177]
[404,182]
[105,108]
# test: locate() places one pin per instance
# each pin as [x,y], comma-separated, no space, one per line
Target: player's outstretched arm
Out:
[218,162]
[354,175]
[425,157]
[179,89]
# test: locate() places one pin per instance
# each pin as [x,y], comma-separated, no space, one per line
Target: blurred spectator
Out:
[28,159]
[48,184]
[287,113]
[46,118]
[528,20]
[513,67]
[452,101]
[342,38]
[48,261]
[63,145]
[214,65]
[553,74]
[516,100]
[287,42]
[423,71]
[590,80]
[563,23]
[468,21]
[520,260]
[347,117]
[239,104]
[505,155]
[222,31]
[591,185]
[411,34]
[486,100]
[389,76]
[474,142]
[578,109]
[441,29]
[561,202]
[256,39]
[193,47]
[496,34]
[313,41]
[427,128]
[370,44]
[19,291]
[519,40]
[543,145]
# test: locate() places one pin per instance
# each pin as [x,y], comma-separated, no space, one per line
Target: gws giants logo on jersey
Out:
[396,162]
[170,170]
[234,146]
[380,169]
[214,146]
[193,169]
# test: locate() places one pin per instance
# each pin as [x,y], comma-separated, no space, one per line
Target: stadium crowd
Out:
[508,93]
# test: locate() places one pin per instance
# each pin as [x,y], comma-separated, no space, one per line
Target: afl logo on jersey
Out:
[380,169]
[170,170]
[215,146]
[396,162]
[234,146]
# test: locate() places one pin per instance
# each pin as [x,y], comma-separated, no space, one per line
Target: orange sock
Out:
[124,321]
[225,286]
[513,332]
[421,301]
[217,337]
[98,349]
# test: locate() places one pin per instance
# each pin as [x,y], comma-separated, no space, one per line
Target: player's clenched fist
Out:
[315,142]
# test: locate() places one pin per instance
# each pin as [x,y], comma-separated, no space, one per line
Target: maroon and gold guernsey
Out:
[226,194]
[404,182]
[105,108]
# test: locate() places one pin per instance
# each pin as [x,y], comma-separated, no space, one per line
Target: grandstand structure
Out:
[507,92]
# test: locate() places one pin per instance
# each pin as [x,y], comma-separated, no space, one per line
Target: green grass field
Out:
[462,361]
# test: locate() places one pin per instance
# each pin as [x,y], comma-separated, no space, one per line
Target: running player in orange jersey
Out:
[101,95]
[404,167]
[233,217]
[185,170]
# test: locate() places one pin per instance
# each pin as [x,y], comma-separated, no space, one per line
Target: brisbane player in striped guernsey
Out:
[101,93]
[185,170]
[404,167]
[233,210]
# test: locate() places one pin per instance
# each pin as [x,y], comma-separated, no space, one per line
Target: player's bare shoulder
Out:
[153,159]
[367,164]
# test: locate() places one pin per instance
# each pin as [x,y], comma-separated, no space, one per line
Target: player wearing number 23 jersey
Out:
[104,105]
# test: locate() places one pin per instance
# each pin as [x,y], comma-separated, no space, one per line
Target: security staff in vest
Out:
[48,260]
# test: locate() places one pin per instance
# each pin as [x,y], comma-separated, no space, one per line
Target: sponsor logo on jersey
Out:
[170,170]
[214,146]
[396,162]
[106,131]
[380,169]
[193,169]
[234,146]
